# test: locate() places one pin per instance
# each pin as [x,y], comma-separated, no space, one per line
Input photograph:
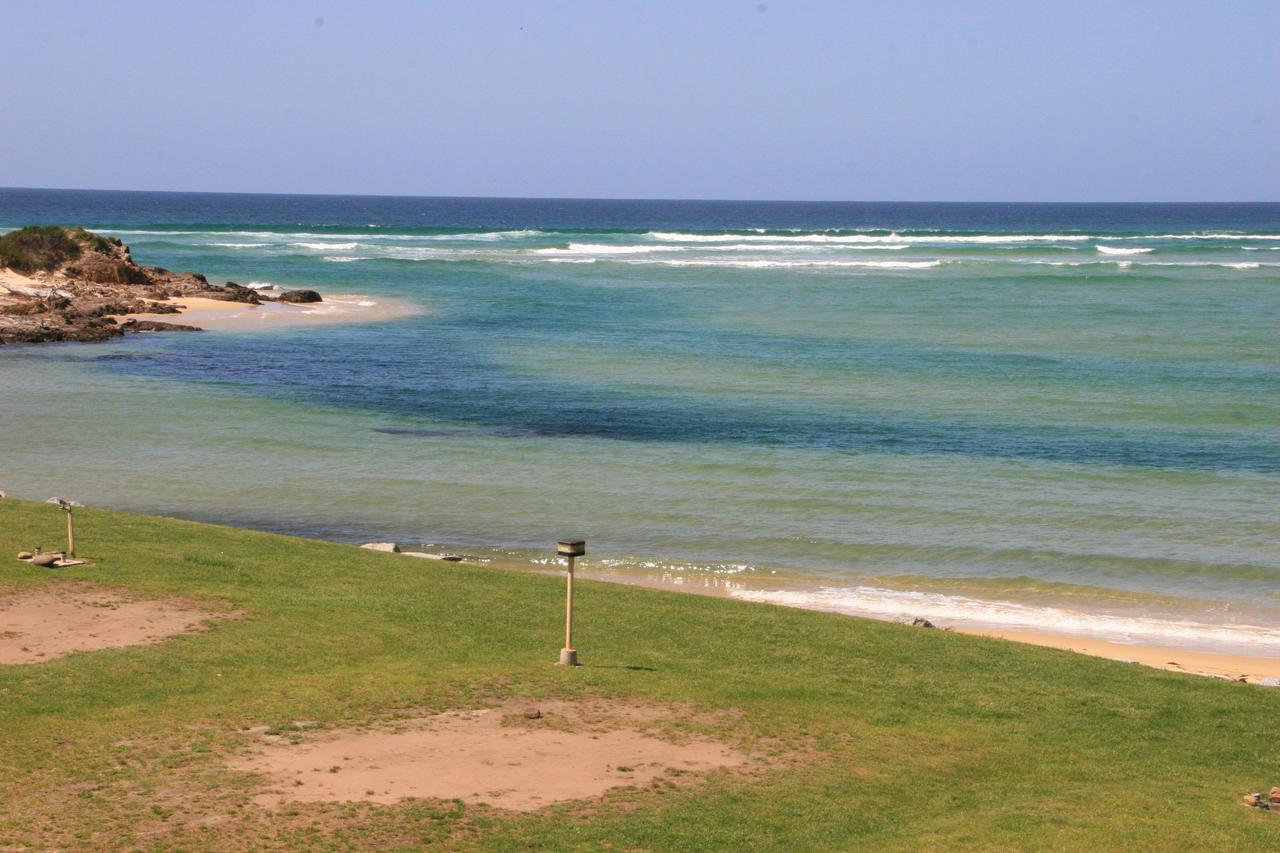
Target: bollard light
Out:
[67,507]
[569,549]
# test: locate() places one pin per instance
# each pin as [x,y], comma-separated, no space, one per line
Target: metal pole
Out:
[569,549]
[568,610]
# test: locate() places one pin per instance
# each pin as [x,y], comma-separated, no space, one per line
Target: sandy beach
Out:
[68,284]
[14,283]
[219,315]
[1234,667]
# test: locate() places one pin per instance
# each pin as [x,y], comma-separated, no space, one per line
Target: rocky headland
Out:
[69,284]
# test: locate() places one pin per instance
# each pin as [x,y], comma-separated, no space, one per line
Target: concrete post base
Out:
[568,657]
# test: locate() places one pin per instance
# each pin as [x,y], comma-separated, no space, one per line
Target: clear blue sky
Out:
[767,100]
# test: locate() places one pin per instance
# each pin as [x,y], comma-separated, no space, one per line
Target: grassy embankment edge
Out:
[881,735]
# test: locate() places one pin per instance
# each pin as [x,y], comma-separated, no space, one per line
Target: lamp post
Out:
[67,507]
[569,549]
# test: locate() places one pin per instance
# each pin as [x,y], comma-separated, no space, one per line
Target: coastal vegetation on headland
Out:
[866,734]
[69,284]
[45,247]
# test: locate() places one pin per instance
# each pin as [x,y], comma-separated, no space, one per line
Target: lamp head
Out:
[571,547]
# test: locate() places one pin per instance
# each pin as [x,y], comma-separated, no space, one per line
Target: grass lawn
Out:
[885,736]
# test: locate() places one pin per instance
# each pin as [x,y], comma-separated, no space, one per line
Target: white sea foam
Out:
[894,237]
[949,610]
[603,249]
[481,236]
[1122,264]
[1116,250]
[490,235]
[1201,236]
[240,245]
[757,235]
[344,259]
[634,249]
[1242,265]
[471,236]
[295,236]
[767,264]
[341,247]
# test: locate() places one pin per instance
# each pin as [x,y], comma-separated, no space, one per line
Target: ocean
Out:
[1053,417]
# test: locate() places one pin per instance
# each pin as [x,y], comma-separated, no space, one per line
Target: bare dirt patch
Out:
[497,756]
[50,622]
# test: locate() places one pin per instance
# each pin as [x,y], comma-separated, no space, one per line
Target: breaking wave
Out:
[325,246]
[1117,250]
[892,237]
[767,264]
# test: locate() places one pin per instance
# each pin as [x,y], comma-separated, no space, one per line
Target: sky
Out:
[894,100]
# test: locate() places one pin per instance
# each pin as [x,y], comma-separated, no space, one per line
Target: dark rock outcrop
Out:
[66,284]
[129,326]
[300,296]
[232,292]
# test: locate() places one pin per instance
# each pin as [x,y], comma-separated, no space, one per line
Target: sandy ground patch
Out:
[49,622]
[498,757]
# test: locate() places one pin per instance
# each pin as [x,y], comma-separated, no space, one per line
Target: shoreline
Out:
[82,287]
[1231,666]
[1225,665]
[215,315]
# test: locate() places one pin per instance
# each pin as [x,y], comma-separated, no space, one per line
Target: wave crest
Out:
[1118,250]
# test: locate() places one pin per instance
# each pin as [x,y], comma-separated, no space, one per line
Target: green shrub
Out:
[44,247]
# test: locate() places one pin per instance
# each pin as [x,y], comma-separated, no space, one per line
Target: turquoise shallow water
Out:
[1061,417]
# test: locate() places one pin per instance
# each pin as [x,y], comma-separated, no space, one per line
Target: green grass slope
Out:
[895,737]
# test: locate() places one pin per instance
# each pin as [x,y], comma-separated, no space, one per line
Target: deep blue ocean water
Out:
[1060,416]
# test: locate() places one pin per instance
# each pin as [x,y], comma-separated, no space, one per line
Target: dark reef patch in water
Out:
[442,373]
[502,432]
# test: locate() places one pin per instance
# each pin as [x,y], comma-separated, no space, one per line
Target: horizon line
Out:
[625,198]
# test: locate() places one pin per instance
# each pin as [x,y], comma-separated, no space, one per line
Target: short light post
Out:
[67,507]
[569,549]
